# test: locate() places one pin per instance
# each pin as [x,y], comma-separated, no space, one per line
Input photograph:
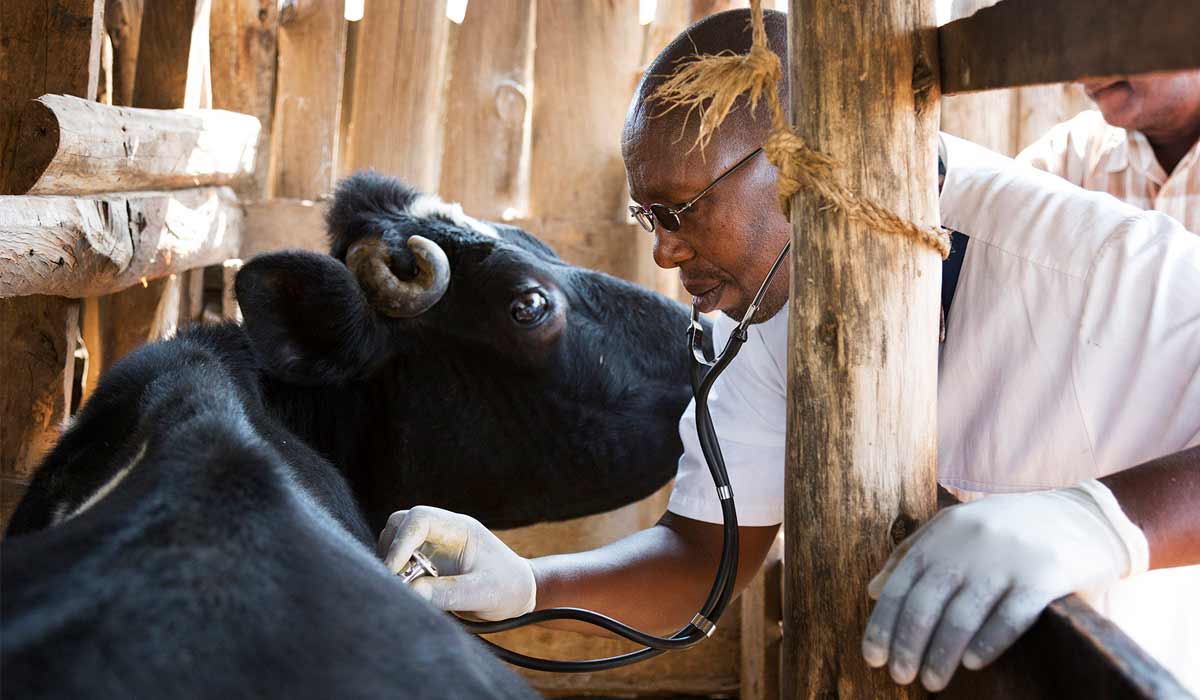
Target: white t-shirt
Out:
[748,405]
[1072,351]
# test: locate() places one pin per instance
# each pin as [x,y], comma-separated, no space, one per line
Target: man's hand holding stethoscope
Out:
[477,574]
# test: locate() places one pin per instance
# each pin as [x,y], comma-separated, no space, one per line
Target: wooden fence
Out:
[860,444]
[1007,120]
[515,112]
[123,221]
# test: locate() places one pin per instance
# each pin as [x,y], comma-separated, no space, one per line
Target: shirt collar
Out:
[1139,154]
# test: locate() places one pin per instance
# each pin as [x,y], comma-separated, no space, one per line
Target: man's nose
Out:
[669,250]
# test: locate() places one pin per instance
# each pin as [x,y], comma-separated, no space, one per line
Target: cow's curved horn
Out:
[368,260]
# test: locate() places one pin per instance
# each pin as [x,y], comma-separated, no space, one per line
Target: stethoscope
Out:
[704,373]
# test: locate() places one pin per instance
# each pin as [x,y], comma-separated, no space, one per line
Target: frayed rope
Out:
[710,84]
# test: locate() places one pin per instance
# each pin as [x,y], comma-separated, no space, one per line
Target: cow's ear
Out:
[307,319]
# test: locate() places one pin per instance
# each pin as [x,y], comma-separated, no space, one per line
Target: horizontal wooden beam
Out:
[76,147]
[1030,42]
[1072,651]
[79,247]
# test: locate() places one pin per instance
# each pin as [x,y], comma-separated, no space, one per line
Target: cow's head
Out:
[486,374]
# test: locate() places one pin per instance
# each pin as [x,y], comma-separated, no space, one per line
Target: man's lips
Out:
[705,297]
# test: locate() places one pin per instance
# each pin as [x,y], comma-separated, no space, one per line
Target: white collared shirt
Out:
[1096,156]
[1072,352]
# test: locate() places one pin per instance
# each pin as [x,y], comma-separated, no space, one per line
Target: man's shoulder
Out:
[1085,140]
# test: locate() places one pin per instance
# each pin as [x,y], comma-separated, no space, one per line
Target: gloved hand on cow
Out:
[976,576]
[479,574]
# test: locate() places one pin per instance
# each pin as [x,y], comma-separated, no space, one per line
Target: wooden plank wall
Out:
[1009,119]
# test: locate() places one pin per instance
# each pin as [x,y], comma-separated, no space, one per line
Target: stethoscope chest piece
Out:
[419,565]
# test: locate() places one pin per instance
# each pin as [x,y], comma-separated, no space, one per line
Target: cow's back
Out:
[210,570]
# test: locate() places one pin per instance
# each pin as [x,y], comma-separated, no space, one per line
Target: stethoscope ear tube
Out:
[704,623]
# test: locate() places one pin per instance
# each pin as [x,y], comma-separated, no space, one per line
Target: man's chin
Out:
[765,312]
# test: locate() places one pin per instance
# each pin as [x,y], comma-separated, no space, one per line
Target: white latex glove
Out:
[976,576]
[480,575]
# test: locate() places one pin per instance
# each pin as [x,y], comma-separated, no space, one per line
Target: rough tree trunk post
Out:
[44,47]
[864,330]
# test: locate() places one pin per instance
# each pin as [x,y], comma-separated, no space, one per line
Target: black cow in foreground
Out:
[205,526]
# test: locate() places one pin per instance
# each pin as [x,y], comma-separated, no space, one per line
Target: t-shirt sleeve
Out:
[748,405]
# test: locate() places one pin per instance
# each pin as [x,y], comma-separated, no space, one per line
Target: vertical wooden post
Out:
[485,160]
[862,365]
[171,71]
[242,52]
[760,630]
[399,77]
[37,352]
[312,54]
[45,46]
[172,65]
[123,20]
[577,119]
[577,180]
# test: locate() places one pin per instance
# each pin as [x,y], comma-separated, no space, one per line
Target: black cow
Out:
[197,530]
[528,390]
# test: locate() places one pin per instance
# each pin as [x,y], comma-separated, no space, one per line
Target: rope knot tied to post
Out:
[711,84]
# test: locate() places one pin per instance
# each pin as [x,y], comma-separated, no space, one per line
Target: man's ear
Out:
[307,319]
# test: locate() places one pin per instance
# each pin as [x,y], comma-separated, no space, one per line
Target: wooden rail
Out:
[1029,42]
[1072,651]
[69,145]
[79,247]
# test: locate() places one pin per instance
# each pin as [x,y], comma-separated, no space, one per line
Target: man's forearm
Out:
[1162,497]
[654,580]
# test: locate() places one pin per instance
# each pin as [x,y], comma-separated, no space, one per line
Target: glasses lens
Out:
[665,216]
[645,218]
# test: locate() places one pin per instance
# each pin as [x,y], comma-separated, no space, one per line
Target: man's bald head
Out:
[725,32]
[726,241]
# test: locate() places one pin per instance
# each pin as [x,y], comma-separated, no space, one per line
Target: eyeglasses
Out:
[667,216]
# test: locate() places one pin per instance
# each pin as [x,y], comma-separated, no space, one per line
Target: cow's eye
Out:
[529,308]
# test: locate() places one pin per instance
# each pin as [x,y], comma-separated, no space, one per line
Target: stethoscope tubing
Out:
[719,595]
[721,591]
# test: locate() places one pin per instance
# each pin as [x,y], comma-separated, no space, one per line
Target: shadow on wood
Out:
[1072,651]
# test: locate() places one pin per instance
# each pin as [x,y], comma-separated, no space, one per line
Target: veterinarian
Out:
[1069,395]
